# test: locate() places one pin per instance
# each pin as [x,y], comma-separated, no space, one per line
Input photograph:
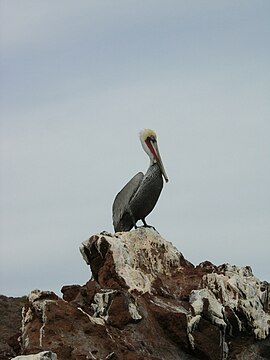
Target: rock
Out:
[132,260]
[10,325]
[70,292]
[44,355]
[146,301]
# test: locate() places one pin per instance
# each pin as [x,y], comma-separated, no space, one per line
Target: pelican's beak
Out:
[159,161]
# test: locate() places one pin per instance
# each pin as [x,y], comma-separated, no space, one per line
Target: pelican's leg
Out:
[146,225]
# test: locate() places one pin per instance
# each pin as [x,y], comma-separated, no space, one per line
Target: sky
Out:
[80,79]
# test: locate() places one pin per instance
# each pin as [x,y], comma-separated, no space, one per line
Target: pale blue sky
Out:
[80,79]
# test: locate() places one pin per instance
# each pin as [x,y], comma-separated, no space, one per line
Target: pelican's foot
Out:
[146,225]
[149,226]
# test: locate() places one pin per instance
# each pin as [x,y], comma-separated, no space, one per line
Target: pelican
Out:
[139,196]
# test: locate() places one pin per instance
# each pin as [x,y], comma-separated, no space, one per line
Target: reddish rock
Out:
[146,301]
[70,292]
[10,325]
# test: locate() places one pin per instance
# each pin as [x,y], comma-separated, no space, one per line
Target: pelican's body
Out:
[140,195]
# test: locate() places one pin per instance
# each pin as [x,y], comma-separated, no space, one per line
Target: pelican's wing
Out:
[120,204]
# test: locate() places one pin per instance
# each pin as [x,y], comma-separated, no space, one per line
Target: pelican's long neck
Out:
[151,158]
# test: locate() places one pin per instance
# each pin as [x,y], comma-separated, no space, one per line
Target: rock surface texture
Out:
[10,324]
[146,301]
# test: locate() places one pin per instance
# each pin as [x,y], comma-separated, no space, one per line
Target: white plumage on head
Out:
[151,135]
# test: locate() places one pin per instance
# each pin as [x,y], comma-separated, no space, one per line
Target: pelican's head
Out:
[149,143]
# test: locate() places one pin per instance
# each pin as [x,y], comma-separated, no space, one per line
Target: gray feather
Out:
[122,200]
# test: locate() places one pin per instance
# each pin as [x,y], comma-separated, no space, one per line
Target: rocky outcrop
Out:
[10,325]
[146,301]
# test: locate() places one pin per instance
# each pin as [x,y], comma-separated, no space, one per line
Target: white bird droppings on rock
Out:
[44,355]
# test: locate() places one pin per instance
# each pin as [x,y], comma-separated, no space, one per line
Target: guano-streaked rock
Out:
[139,258]
[146,301]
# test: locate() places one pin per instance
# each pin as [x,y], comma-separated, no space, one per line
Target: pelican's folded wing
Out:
[121,202]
